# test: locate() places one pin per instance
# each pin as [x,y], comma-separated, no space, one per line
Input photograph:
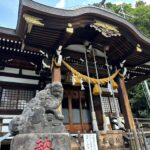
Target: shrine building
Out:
[96,55]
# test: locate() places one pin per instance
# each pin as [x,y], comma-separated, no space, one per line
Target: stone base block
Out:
[32,141]
[112,140]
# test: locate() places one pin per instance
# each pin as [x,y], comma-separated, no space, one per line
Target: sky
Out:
[9,8]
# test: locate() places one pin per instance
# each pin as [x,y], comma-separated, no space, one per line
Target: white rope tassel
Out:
[58,61]
[125,71]
[73,79]
[109,88]
[82,86]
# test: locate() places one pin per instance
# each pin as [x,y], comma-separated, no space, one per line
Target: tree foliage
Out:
[138,102]
[140,17]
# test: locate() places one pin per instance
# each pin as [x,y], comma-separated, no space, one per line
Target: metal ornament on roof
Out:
[31,20]
[106,29]
[138,48]
[69,28]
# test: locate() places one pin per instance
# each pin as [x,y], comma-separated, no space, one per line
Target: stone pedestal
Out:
[40,126]
[57,141]
[112,140]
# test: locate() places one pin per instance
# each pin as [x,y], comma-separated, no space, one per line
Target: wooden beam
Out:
[18,85]
[81,110]
[34,49]
[56,74]
[70,109]
[21,56]
[128,117]
[136,80]
[56,77]
[20,76]
[66,36]
[124,57]
[126,108]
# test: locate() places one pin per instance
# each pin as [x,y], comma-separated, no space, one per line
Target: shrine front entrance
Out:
[76,111]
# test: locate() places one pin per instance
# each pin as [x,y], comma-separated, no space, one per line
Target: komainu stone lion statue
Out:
[41,115]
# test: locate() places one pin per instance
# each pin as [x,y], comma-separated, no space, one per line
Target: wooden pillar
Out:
[70,110]
[56,74]
[81,110]
[125,105]
[126,108]
[56,77]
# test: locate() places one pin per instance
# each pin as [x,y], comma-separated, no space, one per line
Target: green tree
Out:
[138,102]
[140,3]
[139,16]
[141,19]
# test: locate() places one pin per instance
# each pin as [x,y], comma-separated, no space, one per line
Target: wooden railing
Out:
[143,131]
[143,122]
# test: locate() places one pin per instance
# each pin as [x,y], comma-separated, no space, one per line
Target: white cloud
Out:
[118,2]
[132,2]
[60,4]
[147,2]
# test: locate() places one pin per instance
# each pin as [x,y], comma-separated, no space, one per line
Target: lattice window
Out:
[113,105]
[108,104]
[15,98]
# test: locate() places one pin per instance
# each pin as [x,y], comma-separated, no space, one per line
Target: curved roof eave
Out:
[91,11]
[8,31]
